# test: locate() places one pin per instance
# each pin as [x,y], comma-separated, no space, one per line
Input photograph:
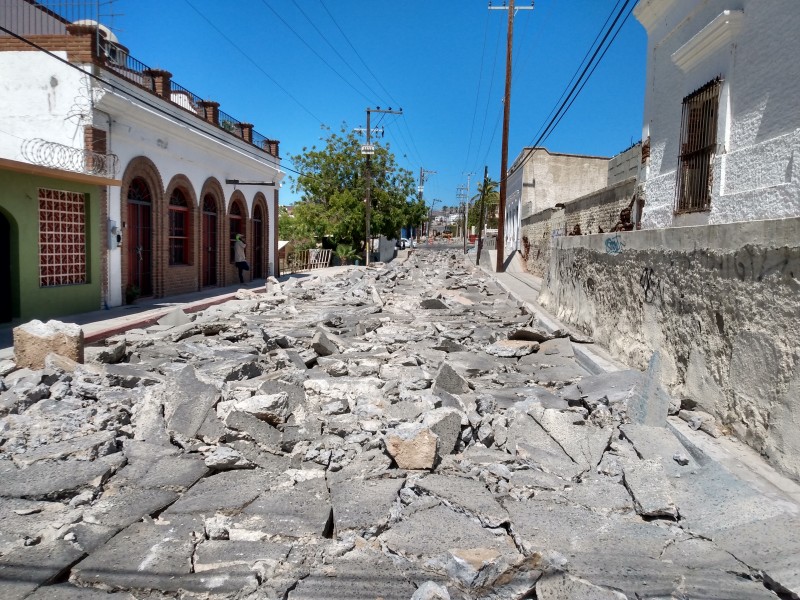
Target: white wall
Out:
[755,50]
[44,98]
[41,97]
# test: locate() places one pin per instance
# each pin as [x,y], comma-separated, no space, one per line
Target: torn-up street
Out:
[405,431]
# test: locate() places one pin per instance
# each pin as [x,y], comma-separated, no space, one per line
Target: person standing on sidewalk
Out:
[239,258]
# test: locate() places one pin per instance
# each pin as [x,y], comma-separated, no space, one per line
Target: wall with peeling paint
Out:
[720,302]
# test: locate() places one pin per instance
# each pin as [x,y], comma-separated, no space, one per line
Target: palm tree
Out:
[490,197]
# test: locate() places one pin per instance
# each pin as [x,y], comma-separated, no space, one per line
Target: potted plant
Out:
[345,253]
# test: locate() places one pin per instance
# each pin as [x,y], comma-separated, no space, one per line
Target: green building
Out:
[53,240]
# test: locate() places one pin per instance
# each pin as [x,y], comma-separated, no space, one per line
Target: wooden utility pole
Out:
[501,207]
[368,150]
[482,215]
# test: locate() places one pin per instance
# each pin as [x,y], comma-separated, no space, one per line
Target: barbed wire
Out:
[58,156]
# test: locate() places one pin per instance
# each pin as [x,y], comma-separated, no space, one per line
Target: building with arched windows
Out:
[141,173]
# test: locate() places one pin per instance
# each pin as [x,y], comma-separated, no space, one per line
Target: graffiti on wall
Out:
[614,244]
[651,286]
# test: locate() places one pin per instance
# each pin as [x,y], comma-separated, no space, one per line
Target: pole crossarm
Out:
[367,150]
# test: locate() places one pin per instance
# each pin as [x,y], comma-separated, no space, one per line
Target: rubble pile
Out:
[398,432]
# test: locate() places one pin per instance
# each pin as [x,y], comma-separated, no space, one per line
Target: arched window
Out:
[237,223]
[178,229]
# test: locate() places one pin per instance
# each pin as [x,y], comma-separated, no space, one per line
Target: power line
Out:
[478,89]
[558,114]
[489,94]
[254,63]
[317,54]
[325,39]
[349,43]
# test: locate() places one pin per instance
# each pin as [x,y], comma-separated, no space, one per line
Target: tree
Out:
[333,188]
[487,190]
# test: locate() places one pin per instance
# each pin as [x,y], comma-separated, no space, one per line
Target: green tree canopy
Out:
[332,185]
[487,190]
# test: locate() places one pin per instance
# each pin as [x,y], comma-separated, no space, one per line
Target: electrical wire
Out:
[317,54]
[477,90]
[254,63]
[489,94]
[557,115]
[344,60]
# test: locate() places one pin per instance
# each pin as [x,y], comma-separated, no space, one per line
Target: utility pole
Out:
[482,216]
[501,207]
[368,150]
[461,195]
[423,176]
[466,212]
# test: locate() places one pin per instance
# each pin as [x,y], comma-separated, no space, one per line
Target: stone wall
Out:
[719,302]
[594,211]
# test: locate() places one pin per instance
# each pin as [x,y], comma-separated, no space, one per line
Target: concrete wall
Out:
[592,212]
[719,302]
[19,202]
[754,49]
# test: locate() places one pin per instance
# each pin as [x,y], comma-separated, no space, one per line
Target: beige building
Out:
[539,179]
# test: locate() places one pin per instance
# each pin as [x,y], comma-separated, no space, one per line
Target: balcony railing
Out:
[117,59]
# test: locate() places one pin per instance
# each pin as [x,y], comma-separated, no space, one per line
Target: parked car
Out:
[402,243]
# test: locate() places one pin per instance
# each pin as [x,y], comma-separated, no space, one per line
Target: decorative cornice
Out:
[650,12]
[720,32]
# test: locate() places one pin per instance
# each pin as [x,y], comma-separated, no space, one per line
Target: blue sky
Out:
[297,67]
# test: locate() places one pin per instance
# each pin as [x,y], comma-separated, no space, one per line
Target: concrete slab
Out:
[55,480]
[363,506]
[301,510]
[227,491]
[468,494]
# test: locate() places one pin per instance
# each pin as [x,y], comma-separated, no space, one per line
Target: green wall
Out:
[19,202]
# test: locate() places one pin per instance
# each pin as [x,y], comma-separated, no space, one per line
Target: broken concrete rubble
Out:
[351,437]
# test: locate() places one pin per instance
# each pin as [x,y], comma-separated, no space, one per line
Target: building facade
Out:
[722,111]
[539,179]
[187,177]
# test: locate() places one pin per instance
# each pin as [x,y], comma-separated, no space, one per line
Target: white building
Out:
[722,111]
[184,168]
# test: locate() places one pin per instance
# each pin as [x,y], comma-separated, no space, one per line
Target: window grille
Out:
[178,229]
[697,149]
[62,238]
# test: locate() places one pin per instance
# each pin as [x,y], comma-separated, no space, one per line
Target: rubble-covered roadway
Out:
[395,432]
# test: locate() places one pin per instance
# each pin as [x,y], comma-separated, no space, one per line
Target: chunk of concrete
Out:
[445,422]
[450,381]
[229,490]
[218,554]
[412,446]
[186,402]
[649,405]
[563,586]
[647,482]
[26,568]
[512,348]
[469,494]
[56,480]
[174,318]
[34,340]
[272,408]
[363,506]
[323,344]
[301,510]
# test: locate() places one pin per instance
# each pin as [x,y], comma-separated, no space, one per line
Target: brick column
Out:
[162,81]
[247,132]
[273,147]
[210,111]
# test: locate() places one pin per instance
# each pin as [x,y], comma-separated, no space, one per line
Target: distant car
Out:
[402,243]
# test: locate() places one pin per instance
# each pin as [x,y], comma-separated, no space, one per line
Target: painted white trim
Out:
[714,36]
[649,12]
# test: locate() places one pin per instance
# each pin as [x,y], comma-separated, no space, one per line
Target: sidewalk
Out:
[101,324]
